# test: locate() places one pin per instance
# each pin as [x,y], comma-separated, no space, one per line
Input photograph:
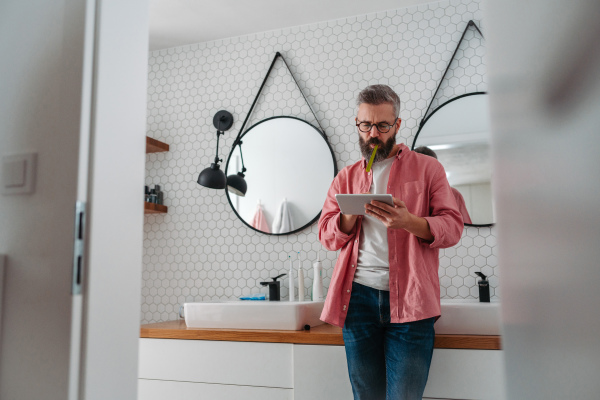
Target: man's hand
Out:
[398,217]
[394,217]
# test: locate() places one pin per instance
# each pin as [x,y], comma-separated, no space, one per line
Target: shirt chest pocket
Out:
[413,195]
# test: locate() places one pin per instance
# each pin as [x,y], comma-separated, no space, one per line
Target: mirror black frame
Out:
[335,172]
[431,115]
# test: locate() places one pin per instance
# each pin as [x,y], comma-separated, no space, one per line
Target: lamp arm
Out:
[242,157]
[217,159]
[219,133]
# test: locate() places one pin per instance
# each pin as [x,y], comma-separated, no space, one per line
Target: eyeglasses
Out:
[382,127]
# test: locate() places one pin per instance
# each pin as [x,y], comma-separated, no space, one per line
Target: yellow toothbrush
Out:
[372,158]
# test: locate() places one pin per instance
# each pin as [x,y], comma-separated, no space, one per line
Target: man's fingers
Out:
[398,202]
[383,206]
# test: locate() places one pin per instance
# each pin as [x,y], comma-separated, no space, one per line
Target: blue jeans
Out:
[385,360]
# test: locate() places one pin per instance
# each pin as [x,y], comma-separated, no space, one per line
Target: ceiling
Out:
[179,22]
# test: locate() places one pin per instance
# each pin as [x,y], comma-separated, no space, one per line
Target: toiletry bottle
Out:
[300,280]
[484,288]
[146,194]
[152,196]
[317,292]
[291,276]
[159,194]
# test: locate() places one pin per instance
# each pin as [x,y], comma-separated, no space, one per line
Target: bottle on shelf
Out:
[159,194]
[153,198]
[146,194]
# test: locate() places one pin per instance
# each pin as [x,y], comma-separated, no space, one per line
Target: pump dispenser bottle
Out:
[300,280]
[317,291]
[291,276]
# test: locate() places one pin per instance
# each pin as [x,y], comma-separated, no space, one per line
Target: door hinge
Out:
[78,247]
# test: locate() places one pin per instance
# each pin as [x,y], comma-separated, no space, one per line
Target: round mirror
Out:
[458,132]
[289,167]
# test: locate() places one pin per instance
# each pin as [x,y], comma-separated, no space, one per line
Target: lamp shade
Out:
[213,177]
[236,184]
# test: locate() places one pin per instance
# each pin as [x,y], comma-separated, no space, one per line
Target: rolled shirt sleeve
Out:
[445,220]
[330,234]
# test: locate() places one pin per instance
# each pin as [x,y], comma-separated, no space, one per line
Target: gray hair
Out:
[379,94]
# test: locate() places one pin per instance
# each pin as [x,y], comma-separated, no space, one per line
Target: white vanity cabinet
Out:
[320,373]
[199,369]
[204,369]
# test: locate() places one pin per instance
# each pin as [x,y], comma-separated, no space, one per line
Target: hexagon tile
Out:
[200,251]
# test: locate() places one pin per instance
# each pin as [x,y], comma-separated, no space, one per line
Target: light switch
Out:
[18,173]
[13,173]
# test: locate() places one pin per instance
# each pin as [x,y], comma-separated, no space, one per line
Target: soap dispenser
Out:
[484,288]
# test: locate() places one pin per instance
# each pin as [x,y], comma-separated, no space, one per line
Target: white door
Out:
[73,88]
[544,70]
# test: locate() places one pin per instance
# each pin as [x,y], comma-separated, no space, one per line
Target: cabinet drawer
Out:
[232,363]
[466,374]
[161,390]
[321,372]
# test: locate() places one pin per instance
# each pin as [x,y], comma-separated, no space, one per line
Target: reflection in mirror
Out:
[289,167]
[459,134]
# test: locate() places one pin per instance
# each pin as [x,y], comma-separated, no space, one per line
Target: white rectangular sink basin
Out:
[468,317]
[238,314]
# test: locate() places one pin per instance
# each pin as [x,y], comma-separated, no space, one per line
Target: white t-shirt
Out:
[373,266]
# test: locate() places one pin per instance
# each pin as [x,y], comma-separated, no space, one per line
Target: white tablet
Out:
[354,204]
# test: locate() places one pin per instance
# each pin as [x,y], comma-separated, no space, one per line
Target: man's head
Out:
[377,120]
[426,150]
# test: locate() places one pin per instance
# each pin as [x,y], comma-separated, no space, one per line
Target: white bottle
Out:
[300,280]
[317,291]
[292,286]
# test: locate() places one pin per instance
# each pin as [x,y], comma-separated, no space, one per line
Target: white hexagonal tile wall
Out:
[200,251]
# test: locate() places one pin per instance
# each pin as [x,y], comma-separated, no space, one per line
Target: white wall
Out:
[545,86]
[51,94]
[200,250]
[40,69]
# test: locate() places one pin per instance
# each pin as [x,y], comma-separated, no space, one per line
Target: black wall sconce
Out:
[212,177]
[236,183]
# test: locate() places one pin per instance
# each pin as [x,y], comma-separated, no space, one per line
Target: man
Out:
[385,287]
[460,200]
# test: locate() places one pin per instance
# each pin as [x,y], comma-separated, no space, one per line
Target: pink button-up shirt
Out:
[420,181]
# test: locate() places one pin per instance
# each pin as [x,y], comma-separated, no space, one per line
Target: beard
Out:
[383,149]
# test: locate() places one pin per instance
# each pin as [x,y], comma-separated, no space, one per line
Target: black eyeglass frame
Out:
[376,126]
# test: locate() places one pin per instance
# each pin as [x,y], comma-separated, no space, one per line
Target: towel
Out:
[283,219]
[258,220]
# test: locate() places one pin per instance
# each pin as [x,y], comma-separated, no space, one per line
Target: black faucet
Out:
[273,288]
[484,288]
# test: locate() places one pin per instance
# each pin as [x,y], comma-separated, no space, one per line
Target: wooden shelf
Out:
[155,146]
[151,208]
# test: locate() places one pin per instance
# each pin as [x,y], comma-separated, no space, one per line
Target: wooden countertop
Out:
[322,334]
